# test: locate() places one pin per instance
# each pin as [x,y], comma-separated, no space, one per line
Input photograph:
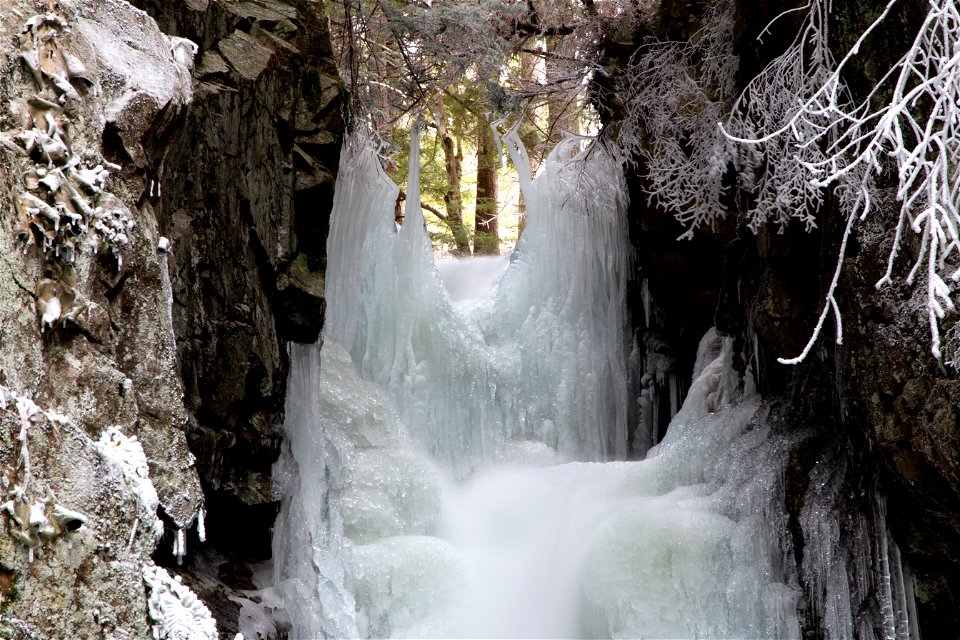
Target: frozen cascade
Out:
[542,360]
[444,470]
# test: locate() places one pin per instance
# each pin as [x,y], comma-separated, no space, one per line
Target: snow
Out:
[128,456]
[175,610]
[51,313]
[132,54]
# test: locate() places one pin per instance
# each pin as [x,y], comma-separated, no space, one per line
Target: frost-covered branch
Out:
[678,92]
[839,143]
[773,170]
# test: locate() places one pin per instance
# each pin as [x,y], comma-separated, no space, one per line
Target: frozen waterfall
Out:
[454,462]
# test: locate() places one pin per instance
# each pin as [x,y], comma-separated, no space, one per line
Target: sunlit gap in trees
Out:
[463,68]
[510,205]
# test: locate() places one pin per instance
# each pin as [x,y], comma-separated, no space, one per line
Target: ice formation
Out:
[861,573]
[61,202]
[175,610]
[447,470]
[64,207]
[542,361]
[128,456]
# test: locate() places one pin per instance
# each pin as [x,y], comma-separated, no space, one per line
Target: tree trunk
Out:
[453,161]
[486,238]
[528,135]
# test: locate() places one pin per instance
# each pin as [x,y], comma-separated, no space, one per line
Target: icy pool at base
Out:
[535,547]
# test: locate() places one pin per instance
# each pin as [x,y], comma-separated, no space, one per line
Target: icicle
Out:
[201,527]
[133,534]
[413,212]
[521,162]
[647,301]
[674,386]
[179,545]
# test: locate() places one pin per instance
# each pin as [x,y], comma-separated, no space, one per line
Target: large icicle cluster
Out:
[357,491]
[539,360]
[851,565]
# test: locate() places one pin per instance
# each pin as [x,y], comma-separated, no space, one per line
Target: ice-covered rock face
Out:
[175,610]
[82,523]
[76,205]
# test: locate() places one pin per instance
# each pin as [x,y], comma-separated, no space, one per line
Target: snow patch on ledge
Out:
[127,454]
[133,53]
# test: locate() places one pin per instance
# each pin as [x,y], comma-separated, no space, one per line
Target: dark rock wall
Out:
[247,188]
[880,400]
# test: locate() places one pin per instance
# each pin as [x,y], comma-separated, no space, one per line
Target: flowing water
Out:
[454,462]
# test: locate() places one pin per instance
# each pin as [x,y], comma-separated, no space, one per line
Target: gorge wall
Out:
[152,289]
[89,391]
[248,186]
[216,168]
[880,410]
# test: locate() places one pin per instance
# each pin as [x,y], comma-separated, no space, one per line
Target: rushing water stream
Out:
[454,463]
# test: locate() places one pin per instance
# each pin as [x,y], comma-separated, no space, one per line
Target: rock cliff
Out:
[90,398]
[248,184]
[167,173]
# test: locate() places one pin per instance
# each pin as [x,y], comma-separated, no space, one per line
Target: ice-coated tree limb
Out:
[840,144]
[831,301]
